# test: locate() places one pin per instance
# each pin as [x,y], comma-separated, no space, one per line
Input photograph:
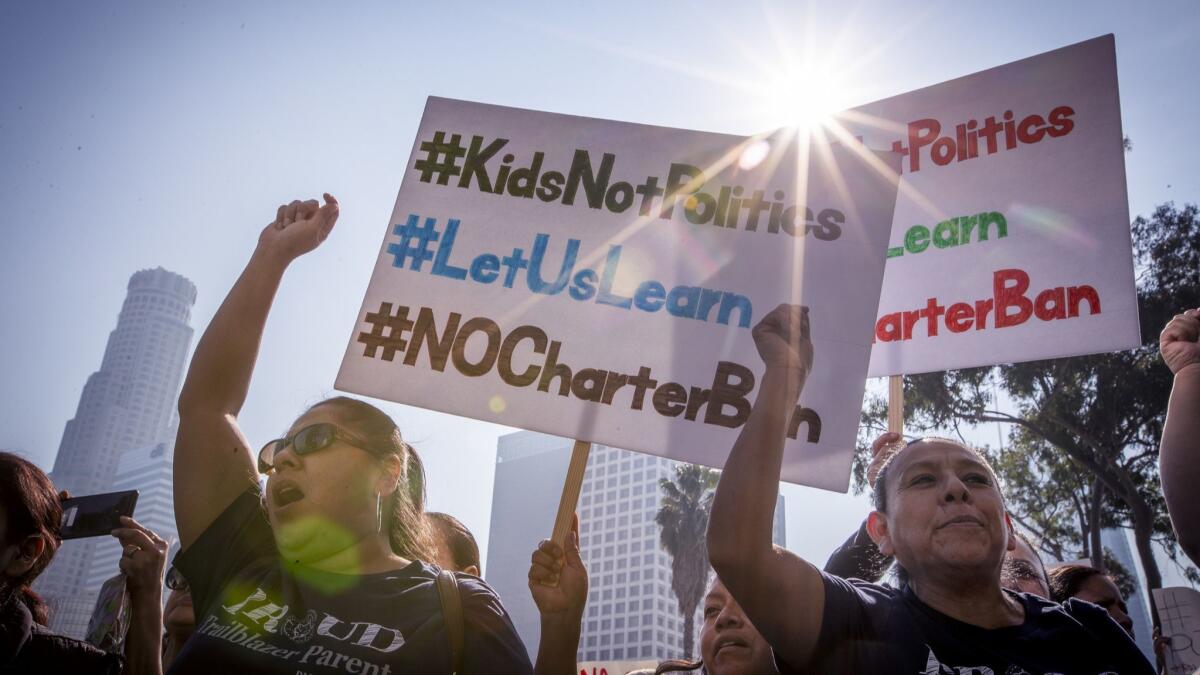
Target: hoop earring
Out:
[379,511]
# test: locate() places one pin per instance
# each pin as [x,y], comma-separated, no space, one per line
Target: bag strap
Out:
[452,613]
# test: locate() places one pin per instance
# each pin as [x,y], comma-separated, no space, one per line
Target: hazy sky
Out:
[134,135]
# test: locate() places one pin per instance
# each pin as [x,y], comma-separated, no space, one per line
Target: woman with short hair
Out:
[938,511]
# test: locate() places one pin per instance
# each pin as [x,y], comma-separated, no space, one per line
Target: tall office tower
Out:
[147,470]
[632,614]
[128,403]
[1117,542]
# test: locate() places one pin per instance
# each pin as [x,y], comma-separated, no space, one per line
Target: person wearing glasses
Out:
[321,571]
[179,618]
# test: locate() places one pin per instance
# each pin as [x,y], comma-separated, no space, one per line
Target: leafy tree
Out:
[1084,433]
[683,520]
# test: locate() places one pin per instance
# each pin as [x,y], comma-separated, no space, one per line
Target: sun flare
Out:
[803,98]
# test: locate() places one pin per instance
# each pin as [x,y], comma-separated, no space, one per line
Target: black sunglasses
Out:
[175,580]
[304,442]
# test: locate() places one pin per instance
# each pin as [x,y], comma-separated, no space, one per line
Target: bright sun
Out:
[803,98]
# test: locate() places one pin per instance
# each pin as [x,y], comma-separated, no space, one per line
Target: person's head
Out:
[1088,583]
[1023,569]
[29,529]
[454,545]
[341,474]
[939,511]
[729,643]
[179,617]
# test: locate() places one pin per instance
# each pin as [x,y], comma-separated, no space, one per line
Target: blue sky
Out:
[142,134]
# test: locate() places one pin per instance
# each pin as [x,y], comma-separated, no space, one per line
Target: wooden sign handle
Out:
[896,404]
[570,493]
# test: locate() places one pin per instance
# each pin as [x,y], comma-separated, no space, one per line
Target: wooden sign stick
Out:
[896,404]
[570,493]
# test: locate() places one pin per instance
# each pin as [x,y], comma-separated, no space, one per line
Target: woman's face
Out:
[325,501]
[945,512]
[729,643]
[179,617]
[1100,590]
[18,557]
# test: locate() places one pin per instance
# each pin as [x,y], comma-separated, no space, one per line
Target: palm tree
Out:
[682,520]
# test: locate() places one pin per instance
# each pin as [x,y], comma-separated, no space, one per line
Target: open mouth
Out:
[286,494]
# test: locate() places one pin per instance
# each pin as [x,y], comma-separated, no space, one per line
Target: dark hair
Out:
[1041,572]
[879,490]
[1015,569]
[458,538]
[1066,580]
[407,531]
[31,507]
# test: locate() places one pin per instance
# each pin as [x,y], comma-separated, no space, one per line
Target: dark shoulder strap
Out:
[452,613]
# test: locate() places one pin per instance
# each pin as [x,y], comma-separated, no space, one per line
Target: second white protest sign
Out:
[1011,234]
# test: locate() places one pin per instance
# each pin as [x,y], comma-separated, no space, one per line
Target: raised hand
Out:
[888,444]
[784,340]
[1179,342]
[143,558]
[299,227]
[558,579]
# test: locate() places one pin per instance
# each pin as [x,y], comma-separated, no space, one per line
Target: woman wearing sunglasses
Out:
[318,572]
[179,620]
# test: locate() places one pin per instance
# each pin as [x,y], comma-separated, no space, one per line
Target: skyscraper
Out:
[147,470]
[632,613]
[1116,540]
[128,403]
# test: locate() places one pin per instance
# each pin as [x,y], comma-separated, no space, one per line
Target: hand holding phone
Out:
[96,515]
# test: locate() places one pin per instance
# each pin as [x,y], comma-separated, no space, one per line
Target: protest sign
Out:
[1011,233]
[614,667]
[1179,613]
[599,280]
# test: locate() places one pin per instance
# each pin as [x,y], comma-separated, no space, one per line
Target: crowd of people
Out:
[333,565]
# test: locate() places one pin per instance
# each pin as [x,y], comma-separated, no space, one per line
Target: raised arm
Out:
[1179,453]
[558,581]
[782,594]
[213,461]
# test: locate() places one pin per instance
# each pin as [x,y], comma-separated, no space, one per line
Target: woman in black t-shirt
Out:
[939,512]
[320,571]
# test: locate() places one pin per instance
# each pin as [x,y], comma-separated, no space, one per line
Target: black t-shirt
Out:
[254,614]
[867,628]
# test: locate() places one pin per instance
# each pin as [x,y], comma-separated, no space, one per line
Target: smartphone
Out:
[96,515]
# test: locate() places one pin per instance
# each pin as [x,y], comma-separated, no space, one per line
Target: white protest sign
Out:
[1011,233]
[614,667]
[1179,613]
[537,272]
